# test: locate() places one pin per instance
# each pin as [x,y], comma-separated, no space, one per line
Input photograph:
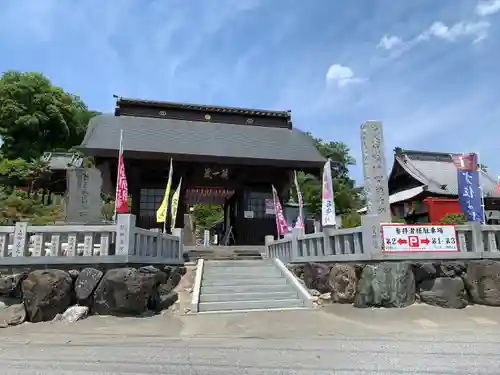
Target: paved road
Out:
[337,340]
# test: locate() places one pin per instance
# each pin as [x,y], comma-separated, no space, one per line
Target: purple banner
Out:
[469,189]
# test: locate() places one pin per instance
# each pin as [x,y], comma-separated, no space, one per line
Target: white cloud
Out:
[487,7]
[389,41]
[478,30]
[341,75]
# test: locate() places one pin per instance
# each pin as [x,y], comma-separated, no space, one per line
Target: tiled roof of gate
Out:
[437,171]
[172,136]
[62,160]
[203,107]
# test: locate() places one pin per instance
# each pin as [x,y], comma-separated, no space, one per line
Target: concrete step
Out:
[245,274]
[232,270]
[238,263]
[249,305]
[254,296]
[246,281]
[254,288]
[224,252]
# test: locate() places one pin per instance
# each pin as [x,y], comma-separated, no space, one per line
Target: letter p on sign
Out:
[413,241]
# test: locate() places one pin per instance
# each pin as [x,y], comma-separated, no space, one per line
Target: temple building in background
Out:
[423,187]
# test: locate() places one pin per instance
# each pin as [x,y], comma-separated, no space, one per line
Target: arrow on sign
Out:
[425,241]
[401,241]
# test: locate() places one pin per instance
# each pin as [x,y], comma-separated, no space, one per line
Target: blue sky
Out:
[428,69]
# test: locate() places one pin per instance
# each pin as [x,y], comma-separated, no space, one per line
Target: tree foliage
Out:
[36,116]
[207,215]
[454,219]
[347,196]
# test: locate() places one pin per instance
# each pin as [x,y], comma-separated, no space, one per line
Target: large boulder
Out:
[432,270]
[443,292]
[127,291]
[173,278]
[386,285]
[482,281]
[10,285]
[342,280]
[86,284]
[46,293]
[315,276]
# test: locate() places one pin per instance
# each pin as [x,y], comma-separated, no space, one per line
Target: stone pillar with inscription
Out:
[84,202]
[376,185]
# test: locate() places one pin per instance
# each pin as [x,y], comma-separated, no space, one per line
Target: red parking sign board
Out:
[418,238]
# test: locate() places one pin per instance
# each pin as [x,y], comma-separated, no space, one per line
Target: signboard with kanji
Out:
[398,238]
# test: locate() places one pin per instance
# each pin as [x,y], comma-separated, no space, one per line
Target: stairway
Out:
[224,252]
[235,285]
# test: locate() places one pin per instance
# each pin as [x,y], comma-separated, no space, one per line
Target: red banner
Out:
[121,204]
[282,225]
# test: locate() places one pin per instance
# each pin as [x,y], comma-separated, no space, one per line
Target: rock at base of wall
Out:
[73,314]
[432,270]
[482,281]
[127,291]
[342,280]
[13,315]
[174,276]
[86,284]
[443,292]
[162,301]
[386,285]
[297,270]
[10,285]
[315,276]
[46,293]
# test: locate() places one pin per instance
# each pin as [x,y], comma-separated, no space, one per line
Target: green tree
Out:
[207,215]
[454,219]
[22,173]
[36,116]
[18,205]
[347,196]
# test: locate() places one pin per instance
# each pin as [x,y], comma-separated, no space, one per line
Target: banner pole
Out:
[120,152]
[479,172]
[275,197]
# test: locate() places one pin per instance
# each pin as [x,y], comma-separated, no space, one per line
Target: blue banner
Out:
[469,195]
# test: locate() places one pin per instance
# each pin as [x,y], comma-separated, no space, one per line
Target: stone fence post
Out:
[296,232]
[328,232]
[477,236]
[125,226]
[268,240]
[371,234]
[179,232]
[21,239]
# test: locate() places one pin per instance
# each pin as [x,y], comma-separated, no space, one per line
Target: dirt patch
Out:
[185,291]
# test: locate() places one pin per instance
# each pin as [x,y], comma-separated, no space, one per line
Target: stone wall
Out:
[400,284]
[56,294]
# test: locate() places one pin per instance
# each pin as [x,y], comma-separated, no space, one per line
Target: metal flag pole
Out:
[275,198]
[120,152]
[170,178]
[479,171]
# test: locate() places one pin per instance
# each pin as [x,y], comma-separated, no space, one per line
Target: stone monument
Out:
[376,184]
[83,203]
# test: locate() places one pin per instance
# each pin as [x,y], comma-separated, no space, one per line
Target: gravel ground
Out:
[332,340]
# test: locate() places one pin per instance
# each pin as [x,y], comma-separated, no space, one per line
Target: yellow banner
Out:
[161,214]
[175,205]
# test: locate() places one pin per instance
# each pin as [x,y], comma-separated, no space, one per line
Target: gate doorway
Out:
[213,210]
